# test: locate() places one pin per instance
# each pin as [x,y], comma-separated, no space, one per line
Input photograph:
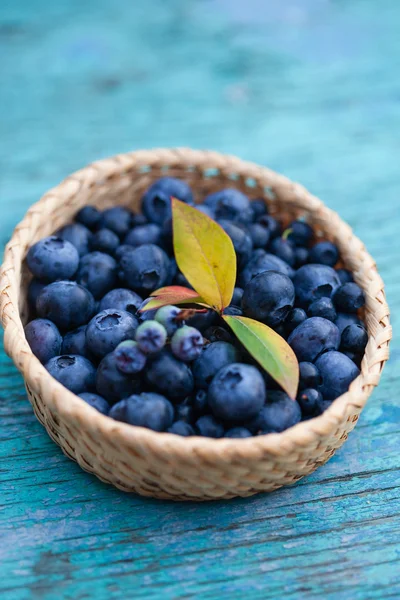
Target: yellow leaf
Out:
[270,349]
[205,254]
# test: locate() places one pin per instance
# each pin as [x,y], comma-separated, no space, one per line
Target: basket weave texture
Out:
[165,465]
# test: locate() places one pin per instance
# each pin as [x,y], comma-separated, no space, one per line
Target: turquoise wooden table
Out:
[309,87]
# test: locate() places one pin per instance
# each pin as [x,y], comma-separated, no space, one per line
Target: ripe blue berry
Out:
[284,249]
[184,411]
[98,273]
[237,296]
[144,410]
[76,373]
[181,428]
[34,289]
[322,406]
[144,234]
[337,372]
[271,224]
[214,356]
[89,216]
[314,281]
[112,383]
[96,401]
[301,256]
[300,233]
[309,400]
[44,339]
[74,342]
[312,337]
[343,320]
[268,297]
[309,375]
[151,337]
[108,329]
[344,275]
[122,250]
[241,241]
[104,240]
[78,235]
[259,235]
[207,210]
[279,413]
[202,320]
[187,343]
[354,339]
[156,202]
[324,253]
[322,307]
[52,258]
[167,317]
[230,204]
[208,426]
[218,334]
[237,393]
[169,375]
[145,269]
[238,432]
[66,303]
[118,219]
[129,358]
[349,297]
[260,262]
[138,219]
[121,299]
[259,208]
[295,317]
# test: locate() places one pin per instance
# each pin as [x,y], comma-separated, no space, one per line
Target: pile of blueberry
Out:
[172,370]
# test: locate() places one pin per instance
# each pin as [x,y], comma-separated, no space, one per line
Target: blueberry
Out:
[268,297]
[122,250]
[75,342]
[259,208]
[78,235]
[151,337]
[322,406]
[187,343]
[144,234]
[108,329]
[309,375]
[202,320]
[344,275]
[129,358]
[300,233]
[208,426]
[138,219]
[337,372]
[172,271]
[89,216]
[322,307]
[76,373]
[144,410]
[145,269]
[237,393]
[237,297]
[238,432]
[349,297]
[354,339]
[166,237]
[207,210]
[66,303]
[98,273]
[112,383]
[200,402]
[301,256]
[118,219]
[345,319]
[259,235]
[230,204]
[324,253]
[34,289]
[271,224]
[146,315]
[184,411]
[169,375]
[314,281]
[295,317]
[53,258]
[309,400]
[156,202]
[312,337]
[356,358]
[104,240]
[121,299]
[214,357]
[167,316]
[181,428]
[234,311]
[259,263]
[96,401]
[241,241]
[279,413]
[283,249]
[180,279]
[44,339]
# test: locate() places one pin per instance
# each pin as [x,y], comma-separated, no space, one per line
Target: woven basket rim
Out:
[69,405]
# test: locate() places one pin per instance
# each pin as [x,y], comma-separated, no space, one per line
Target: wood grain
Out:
[310,96]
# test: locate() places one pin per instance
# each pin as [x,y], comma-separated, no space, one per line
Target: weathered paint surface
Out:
[309,87]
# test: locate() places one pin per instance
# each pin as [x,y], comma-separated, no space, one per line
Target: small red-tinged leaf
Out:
[204,253]
[270,349]
[174,294]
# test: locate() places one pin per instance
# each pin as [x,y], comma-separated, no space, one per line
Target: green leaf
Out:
[205,254]
[270,349]
[174,294]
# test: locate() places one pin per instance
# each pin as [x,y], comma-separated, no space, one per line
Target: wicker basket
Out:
[159,464]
